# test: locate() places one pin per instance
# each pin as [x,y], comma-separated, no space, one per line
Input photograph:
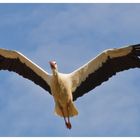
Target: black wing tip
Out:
[136,49]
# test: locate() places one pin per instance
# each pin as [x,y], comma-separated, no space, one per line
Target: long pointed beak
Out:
[52,65]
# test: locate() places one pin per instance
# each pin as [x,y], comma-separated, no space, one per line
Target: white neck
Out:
[55,72]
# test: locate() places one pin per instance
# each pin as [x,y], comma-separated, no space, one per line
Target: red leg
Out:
[68,123]
[63,114]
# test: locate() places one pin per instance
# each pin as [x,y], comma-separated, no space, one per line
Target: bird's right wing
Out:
[102,67]
[17,62]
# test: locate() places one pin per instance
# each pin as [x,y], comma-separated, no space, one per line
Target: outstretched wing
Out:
[17,62]
[102,67]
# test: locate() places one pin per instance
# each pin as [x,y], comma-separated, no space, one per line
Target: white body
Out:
[61,91]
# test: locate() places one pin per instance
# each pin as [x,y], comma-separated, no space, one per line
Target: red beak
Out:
[52,65]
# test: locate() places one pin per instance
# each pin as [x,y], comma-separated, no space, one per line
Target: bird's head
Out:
[53,65]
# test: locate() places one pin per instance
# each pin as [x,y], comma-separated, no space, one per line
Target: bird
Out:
[67,88]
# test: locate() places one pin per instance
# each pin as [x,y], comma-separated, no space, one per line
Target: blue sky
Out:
[71,34]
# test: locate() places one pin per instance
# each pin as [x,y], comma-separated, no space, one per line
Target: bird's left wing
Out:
[102,67]
[17,62]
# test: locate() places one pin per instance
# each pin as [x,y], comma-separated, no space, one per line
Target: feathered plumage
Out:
[66,88]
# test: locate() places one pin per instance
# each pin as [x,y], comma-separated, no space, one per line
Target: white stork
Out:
[66,88]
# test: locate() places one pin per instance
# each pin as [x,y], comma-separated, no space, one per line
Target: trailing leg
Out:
[68,109]
[67,123]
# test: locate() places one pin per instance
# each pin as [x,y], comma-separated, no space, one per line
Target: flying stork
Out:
[66,88]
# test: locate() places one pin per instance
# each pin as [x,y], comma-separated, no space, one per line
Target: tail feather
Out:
[72,110]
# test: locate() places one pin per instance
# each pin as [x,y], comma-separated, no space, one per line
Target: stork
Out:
[66,88]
